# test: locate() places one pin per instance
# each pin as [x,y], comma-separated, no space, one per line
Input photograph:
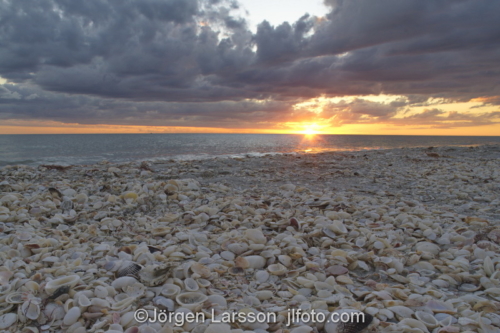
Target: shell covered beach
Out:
[410,237]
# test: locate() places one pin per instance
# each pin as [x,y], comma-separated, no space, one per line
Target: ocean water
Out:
[70,149]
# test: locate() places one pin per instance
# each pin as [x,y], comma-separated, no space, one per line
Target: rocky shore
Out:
[411,237]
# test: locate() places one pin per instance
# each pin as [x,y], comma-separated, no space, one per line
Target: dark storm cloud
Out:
[195,62]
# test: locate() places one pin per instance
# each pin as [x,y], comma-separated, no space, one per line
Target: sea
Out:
[71,149]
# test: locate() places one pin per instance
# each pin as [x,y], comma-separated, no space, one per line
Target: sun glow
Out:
[310,129]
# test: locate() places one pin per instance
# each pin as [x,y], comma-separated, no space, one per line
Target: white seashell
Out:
[285,260]
[255,262]
[203,283]
[401,311]
[7,320]
[15,298]
[122,282]
[360,242]
[101,292]
[219,300]
[66,281]
[255,236]
[318,285]
[191,285]
[72,316]
[121,305]
[488,266]
[227,255]
[263,295]
[31,310]
[237,248]
[338,227]
[440,307]
[136,290]
[100,302]
[427,319]
[428,247]
[165,303]
[170,290]
[191,300]
[262,276]
[202,270]
[82,300]
[277,269]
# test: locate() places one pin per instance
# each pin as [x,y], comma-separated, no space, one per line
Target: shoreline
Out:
[397,233]
[201,157]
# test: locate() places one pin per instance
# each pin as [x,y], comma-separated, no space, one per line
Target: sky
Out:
[417,67]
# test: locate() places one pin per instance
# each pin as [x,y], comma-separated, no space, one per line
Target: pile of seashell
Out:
[82,249]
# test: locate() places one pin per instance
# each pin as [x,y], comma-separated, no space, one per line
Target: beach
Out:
[409,236]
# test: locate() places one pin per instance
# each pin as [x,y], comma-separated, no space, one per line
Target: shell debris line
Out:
[410,239]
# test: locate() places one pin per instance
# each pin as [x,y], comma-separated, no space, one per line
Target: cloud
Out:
[195,62]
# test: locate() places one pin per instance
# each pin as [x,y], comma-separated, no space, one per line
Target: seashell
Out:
[101,292]
[237,248]
[170,290]
[128,270]
[337,270]
[344,279]
[154,275]
[262,276]
[72,316]
[135,290]
[338,227]
[31,309]
[440,307]
[123,282]
[164,303]
[191,300]
[264,295]
[277,269]
[203,283]
[401,311]
[82,300]
[7,320]
[219,300]
[5,277]
[124,303]
[413,323]
[255,262]
[255,236]
[488,266]
[427,319]
[200,269]
[358,321]
[191,285]
[468,287]
[15,298]
[493,292]
[66,281]
[427,247]
[55,311]
[285,260]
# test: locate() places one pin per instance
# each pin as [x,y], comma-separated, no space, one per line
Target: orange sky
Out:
[376,129]
[311,117]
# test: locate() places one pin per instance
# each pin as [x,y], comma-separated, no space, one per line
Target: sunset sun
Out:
[310,129]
